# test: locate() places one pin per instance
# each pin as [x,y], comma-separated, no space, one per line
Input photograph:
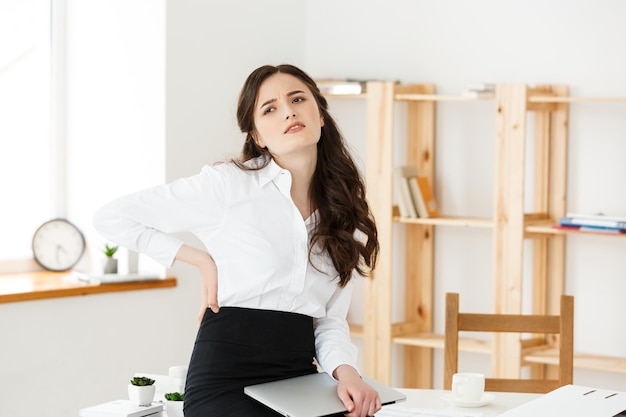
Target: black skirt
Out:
[238,347]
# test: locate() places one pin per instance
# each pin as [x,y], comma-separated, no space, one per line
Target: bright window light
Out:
[25,123]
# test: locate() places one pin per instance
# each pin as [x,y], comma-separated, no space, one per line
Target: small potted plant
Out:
[110,266]
[174,404]
[141,390]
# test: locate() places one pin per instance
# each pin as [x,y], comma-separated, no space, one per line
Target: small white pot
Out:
[141,395]
[174,408]
[110,266]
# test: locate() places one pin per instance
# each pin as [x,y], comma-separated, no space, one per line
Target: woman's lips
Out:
[294,127]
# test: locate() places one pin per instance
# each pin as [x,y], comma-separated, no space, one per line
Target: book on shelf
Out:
[479,94]
[601,229]
[482,90]
[345,86]
[591,229]
[482,87]
[424,197]
[403,192]
[593,220]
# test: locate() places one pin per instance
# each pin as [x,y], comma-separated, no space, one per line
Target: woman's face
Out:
[287,119]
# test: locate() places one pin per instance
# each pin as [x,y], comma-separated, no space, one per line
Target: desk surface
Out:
[431,400]
[427,399]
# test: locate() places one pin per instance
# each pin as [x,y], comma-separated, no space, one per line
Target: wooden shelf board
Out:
[44,285]
[546,227]
[436,341]
[356,330]
[549,356]
[351,96]
[449,221]
[569,99]
[531,99]
[438,97]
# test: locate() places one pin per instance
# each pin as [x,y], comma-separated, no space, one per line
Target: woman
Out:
[286,227]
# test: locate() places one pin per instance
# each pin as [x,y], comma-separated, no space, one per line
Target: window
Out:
[26,140]
[69,144]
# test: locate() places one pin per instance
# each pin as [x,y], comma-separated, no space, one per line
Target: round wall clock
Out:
[58,245]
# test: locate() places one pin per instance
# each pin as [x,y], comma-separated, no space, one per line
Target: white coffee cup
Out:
[468,386]
[179,371]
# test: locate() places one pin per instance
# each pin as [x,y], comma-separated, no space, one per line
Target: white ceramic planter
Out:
[110,266]
[141,395]
[174,408]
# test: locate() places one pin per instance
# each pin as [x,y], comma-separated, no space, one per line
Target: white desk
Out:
[427,399]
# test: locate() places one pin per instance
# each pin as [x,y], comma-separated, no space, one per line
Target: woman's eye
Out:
[298,99]
[269,110]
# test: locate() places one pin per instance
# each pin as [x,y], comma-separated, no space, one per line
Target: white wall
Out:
[453,43]
[211,49]
[60,347]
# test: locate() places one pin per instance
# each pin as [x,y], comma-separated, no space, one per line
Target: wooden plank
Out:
[356,330]
[45,285]
[566,99]
[449,221]
[540,106]
[436,341]
[436,97]
[541,203]
[559,135]
[404,328]
[509,221]
[451,339]
[521,385]
[566,341]
[509,323]
[419,241]
[537,229]
[550,356]
[378,176]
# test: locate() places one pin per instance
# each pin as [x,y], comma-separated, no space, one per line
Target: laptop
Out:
[312,395]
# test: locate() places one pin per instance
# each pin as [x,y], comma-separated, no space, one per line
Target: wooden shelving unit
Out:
[512,227]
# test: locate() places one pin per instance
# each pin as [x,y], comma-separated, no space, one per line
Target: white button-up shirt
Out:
[257,237]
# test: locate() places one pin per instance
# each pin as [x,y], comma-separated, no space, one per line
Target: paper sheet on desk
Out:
[417,412]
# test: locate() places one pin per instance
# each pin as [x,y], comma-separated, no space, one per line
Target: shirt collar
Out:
[268,173]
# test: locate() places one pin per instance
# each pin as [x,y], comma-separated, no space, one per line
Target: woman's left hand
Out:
[358,397]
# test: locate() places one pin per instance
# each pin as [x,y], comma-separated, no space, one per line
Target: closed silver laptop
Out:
[312,395]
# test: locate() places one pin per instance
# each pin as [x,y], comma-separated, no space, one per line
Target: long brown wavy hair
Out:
[337,188]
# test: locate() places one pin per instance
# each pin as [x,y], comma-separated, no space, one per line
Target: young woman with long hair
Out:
[286,229]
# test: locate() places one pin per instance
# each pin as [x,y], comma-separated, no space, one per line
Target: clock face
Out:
[58,245]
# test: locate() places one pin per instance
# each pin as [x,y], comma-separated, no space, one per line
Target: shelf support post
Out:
[419,244]
[512,100]
[378,176]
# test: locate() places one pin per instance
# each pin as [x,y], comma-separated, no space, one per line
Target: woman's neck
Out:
[301,170]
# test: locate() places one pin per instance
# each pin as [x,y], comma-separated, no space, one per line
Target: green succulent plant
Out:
[142,381]
[110,250]
[174,396]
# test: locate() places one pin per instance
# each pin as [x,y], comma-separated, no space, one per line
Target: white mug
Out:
[468,386]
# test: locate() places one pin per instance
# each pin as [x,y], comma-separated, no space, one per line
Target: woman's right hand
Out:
[208,276]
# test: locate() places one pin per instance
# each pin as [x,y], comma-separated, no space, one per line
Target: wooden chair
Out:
[562,325]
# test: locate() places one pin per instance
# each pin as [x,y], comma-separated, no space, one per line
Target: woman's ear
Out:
[257,139]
